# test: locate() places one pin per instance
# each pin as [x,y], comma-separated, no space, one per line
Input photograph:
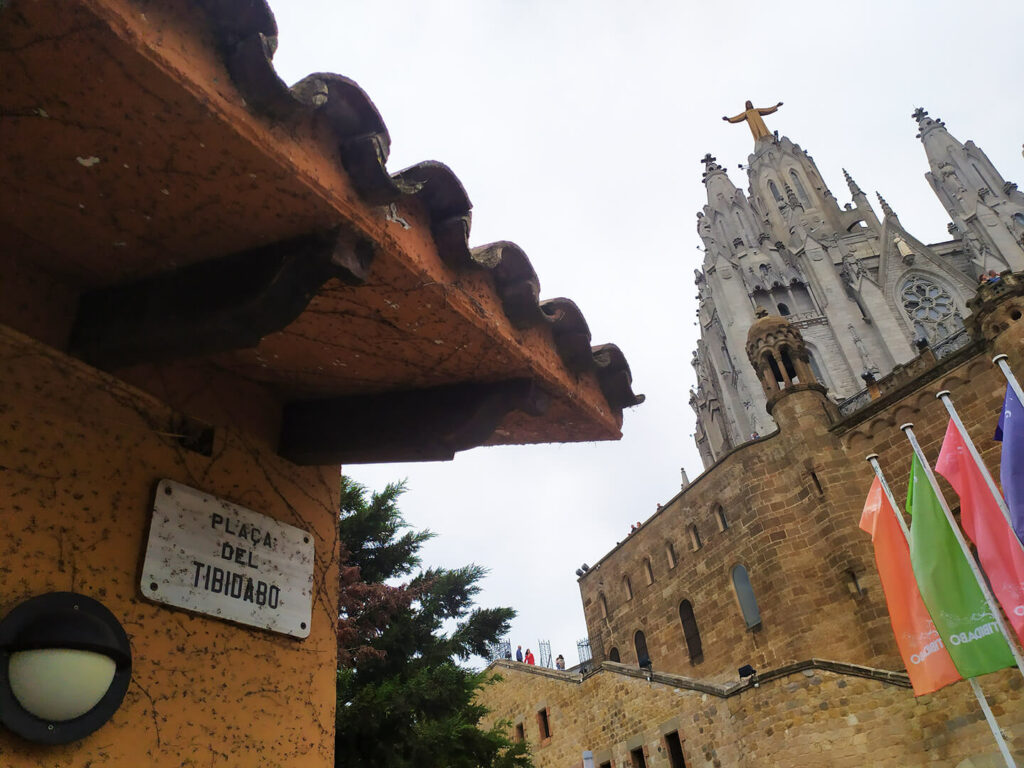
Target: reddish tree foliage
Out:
[372,552]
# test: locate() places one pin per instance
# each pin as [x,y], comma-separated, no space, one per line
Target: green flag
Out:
[948,587]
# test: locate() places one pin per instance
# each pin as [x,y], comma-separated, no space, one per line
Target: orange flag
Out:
[924,655]
[982,520]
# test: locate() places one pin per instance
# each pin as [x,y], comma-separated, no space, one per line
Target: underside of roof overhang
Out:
[199,210]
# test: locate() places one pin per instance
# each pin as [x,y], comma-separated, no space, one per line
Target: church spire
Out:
[986,208]
[889,213]
[710,166]
[854,189]
[926,123]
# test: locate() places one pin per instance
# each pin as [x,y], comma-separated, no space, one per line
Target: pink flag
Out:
[1001,556]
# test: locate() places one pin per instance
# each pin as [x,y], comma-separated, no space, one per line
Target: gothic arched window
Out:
[627,587]
[775,192]
[690,632]
[643,658]
[930,307]
[745,596]
[648,571]
[604,605]
[613,655]
[799,188]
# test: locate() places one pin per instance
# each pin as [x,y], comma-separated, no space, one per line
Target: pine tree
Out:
[403,701]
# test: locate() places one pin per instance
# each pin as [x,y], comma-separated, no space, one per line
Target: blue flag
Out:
[1011,469]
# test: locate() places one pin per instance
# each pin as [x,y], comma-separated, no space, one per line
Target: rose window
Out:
[930,307]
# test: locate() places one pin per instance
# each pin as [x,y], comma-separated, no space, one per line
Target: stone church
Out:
[865,294]
[743,624]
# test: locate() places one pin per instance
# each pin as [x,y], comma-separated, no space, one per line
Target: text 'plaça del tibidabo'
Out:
[242,549]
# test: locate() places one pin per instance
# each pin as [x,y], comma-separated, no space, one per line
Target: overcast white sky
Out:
[577,127]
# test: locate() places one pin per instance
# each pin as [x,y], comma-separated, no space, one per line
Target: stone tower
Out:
[987,211]
[778,355]
[864,292]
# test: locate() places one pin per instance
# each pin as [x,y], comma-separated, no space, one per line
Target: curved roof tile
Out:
[247,35]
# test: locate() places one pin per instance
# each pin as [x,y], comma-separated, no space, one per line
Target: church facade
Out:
[824,328]
[865,293]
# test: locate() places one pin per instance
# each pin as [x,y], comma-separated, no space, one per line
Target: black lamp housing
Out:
[62,620]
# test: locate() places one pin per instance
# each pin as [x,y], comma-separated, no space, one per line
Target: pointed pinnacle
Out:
[885,206]
[854,189]
[791,197]
[710,164]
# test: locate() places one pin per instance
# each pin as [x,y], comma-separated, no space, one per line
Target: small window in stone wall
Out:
[627,587]
[604,605]
[695,542]
[674,747]
[723,523]
[607,764]
[637,757]
[690,632]
[643,656]
[745,596]
[854,585]
[648,571]
[544,723]
[670,554]
[520,732]
[613,655]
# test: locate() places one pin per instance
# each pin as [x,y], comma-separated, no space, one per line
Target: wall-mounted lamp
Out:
[747,671]
[65,665]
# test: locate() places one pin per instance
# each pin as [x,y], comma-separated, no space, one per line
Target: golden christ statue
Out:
[752,115]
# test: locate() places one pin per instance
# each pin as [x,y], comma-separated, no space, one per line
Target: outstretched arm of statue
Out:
[738,119]
[768,110]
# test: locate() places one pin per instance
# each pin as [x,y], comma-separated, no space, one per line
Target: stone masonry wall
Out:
[793,502]
[808,717]
[776,503]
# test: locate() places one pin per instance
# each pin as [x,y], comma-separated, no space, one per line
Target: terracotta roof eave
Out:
[246,33]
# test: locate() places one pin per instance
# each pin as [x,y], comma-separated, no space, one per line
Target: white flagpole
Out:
[998,734]
[993,725]
[992,487]
[1000,360]
[993,606]
[873,460]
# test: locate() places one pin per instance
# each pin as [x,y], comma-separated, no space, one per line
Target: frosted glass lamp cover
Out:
[59,684]
[65,666]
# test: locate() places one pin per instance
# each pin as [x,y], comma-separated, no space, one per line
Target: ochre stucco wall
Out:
[80,455]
